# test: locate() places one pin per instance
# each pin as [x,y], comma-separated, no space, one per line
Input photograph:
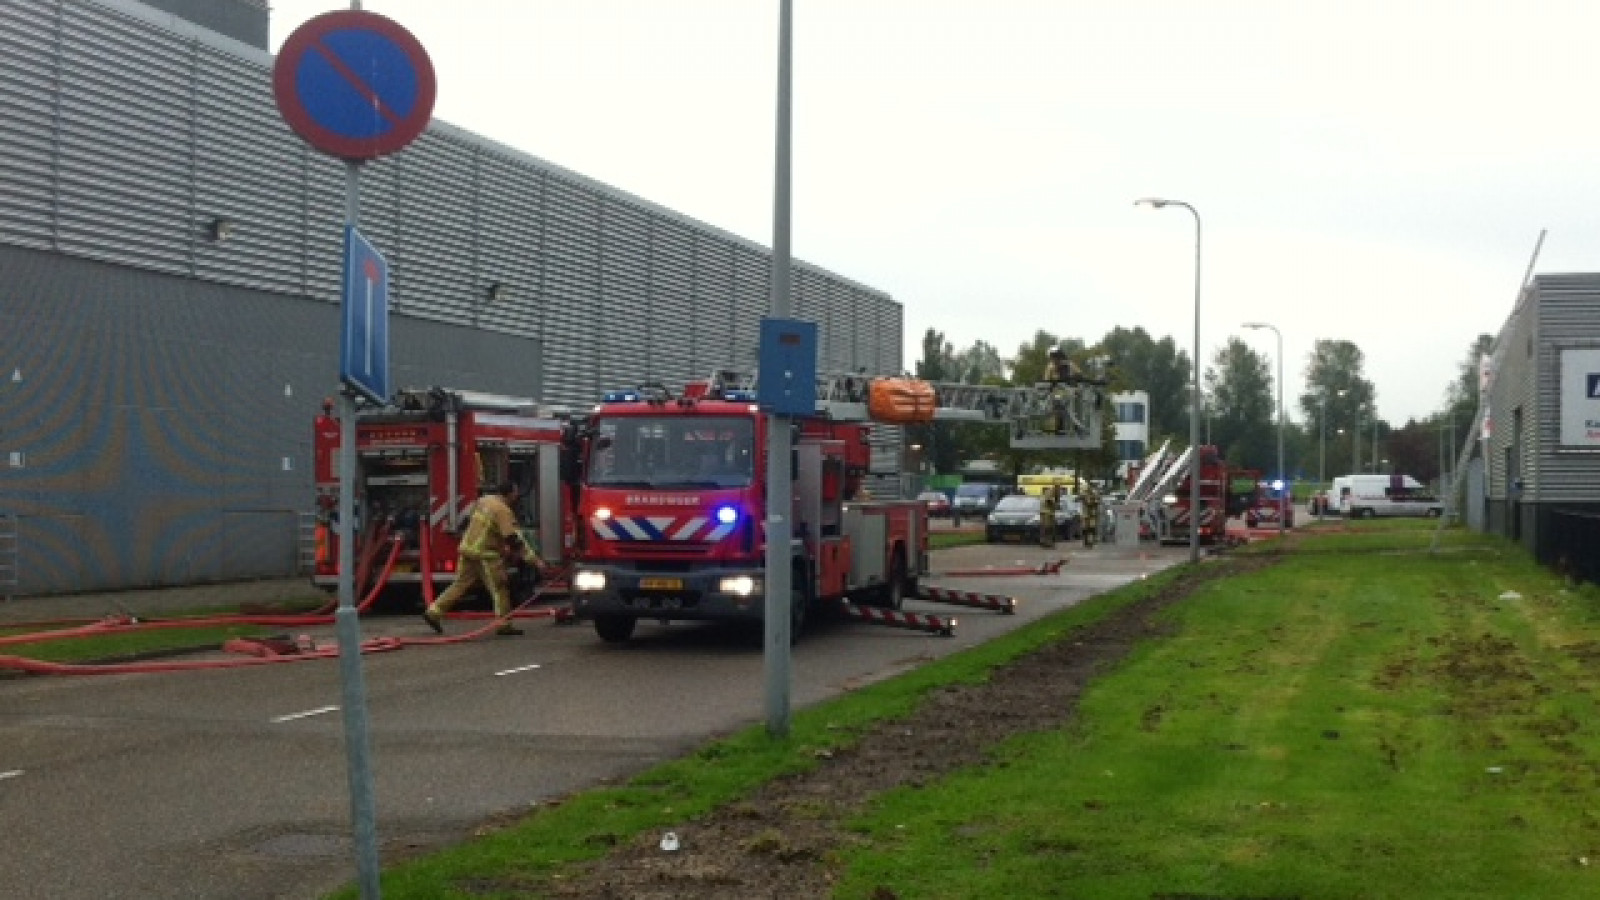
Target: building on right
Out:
[1132,429]
[1535,477]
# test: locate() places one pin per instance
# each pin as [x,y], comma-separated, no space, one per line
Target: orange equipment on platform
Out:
[901,401]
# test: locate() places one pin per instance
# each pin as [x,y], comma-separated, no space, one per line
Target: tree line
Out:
[1330,429]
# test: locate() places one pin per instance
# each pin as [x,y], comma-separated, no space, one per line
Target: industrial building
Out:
[1535,477]
[171,259]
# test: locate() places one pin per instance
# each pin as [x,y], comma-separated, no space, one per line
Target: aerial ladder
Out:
[1042,416]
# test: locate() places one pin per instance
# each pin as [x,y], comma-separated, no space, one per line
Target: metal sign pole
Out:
[358,758]
[363,806]
[780,503]
[388,67]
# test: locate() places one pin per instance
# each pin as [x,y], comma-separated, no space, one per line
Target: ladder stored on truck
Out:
[1043,416]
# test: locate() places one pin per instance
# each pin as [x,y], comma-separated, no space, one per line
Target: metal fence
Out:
[1572,543]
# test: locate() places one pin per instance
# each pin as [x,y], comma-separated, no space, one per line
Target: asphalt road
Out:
[233,784]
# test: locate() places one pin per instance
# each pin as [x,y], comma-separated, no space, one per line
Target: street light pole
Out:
[1194,387]
[1322,440]
[1283,481]
[1355,441]
[1375,441]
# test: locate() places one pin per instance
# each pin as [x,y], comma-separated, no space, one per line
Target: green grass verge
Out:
[588,824]
[133,644]
[1365,720]
[939,540]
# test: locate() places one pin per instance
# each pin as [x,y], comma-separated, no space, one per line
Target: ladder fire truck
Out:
[422,461]
[1163,485]
[673,501]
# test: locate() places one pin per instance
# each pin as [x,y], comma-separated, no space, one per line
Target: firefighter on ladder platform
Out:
[492,533]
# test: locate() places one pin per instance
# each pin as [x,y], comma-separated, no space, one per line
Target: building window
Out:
[1130,451]
[1130,413]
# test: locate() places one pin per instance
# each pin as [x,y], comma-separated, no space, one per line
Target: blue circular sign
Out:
[354,84]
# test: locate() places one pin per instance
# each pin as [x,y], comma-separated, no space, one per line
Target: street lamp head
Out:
[1155,202]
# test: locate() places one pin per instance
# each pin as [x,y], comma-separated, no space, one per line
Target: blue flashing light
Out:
[1277,484]
[739,396]
[622,396]
[727,515]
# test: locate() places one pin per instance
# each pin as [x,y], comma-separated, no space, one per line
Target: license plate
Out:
[661,584]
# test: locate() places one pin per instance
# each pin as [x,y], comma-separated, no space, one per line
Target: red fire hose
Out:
[264,652]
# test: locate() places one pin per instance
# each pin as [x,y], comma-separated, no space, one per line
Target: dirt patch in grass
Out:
[778,842]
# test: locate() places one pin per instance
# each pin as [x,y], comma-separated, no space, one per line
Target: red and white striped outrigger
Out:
[944,626]
[1007,605]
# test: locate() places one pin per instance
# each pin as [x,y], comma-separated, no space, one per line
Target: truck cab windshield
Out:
[673,451]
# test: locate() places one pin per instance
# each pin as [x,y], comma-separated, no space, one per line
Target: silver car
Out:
[1402,505]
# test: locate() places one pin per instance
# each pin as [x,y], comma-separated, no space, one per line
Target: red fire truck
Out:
[1224,494]
[1266,501]
[674,497]
[422,461]
[673,504]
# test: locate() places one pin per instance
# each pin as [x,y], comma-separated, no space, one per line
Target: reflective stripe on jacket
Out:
[490,524]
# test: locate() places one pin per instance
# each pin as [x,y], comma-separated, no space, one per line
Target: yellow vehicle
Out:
[1036,484]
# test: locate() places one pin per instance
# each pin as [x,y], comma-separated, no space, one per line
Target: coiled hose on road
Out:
[265,652]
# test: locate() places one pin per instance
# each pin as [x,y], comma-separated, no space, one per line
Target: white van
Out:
[1338,493]
[1369,495]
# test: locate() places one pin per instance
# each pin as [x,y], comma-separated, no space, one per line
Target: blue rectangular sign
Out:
[364,342]
[786,380]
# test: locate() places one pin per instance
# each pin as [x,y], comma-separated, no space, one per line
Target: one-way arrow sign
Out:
[364,344]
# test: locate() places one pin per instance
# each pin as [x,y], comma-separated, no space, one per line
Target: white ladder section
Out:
[1043,416]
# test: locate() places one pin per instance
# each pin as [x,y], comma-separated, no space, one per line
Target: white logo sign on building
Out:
[1580,397]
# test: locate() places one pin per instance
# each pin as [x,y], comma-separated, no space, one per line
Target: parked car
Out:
[1401,504]
[976,499]
[1016,518]
[938,504]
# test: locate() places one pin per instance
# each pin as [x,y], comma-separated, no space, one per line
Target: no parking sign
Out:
[354,84]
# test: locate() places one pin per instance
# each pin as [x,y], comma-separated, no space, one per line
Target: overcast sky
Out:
[1377,172]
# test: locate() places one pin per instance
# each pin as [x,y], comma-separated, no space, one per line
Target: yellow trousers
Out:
[472,572]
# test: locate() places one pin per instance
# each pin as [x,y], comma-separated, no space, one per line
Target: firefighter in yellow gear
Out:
[1090,500]
[1048,504]
[491,533]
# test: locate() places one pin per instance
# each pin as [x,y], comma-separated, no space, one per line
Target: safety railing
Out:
[8,557]
[306,544]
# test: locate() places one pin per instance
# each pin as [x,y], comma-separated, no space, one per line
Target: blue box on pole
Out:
[787,374]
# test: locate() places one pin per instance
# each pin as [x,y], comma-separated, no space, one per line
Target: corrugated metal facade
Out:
[1533,482]
[153,359]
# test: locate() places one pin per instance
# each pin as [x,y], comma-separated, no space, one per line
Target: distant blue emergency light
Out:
[727,515]
[622,396]
[740,396]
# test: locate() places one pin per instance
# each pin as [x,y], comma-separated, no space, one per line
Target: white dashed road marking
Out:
[303,715]
[517,669]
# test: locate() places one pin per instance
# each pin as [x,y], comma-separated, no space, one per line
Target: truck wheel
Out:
[1369,513]
[615,629]
[892,595]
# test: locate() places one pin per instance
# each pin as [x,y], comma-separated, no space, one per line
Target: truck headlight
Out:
[739,585]
[588,580]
